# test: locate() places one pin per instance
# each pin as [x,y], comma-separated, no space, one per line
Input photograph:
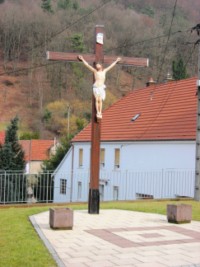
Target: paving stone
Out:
[121,238]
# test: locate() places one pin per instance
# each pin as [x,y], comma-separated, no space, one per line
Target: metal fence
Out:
[18,187]
[113,185]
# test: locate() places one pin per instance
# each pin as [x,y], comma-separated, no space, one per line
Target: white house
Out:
[147,147]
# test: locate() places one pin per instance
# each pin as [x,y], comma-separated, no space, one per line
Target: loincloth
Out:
[99,91]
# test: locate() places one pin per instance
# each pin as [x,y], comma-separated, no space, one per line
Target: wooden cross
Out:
[93,203]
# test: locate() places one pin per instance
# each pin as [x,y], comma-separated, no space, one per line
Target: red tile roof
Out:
[167,112]
[2,137]
[37,150]
[34,149]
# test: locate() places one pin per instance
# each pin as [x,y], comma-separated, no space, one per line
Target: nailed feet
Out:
[99,116]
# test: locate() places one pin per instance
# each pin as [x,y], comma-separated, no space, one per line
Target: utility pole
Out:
[197,165]
[68,118]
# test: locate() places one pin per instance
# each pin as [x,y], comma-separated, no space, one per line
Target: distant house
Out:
[36,151]
[147,147]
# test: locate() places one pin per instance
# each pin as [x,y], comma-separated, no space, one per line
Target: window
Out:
[63,186]
[79,189]
[102,157]
[101,192]
[115,193]
[136,117]
[117,158]
[80,164]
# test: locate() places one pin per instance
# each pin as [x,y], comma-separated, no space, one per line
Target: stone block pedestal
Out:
[61,218]
[179,213]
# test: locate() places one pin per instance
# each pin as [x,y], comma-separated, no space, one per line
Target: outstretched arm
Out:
[86,64]
[113,64]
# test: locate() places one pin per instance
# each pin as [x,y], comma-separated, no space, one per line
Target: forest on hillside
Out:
[54,98]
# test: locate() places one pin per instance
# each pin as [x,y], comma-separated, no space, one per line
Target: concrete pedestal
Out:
[180,213]
[61,218]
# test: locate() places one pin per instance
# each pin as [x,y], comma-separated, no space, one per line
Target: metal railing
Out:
[50,187]
[16,187]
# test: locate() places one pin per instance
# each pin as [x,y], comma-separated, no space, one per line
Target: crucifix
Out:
[98,56]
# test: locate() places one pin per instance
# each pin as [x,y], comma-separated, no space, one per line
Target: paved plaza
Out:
[121,238]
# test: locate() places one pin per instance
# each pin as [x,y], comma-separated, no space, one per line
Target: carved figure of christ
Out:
[99,82]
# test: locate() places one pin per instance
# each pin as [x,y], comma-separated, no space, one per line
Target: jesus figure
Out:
[99,83]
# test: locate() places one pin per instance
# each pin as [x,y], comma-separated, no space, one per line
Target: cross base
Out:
[93,204]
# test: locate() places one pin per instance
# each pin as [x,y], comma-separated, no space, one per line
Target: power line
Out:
[169,34]
[68,26]
[146,40]
[190,56]
[54,35]
[136,43]
[29,68]
[73,23]
[173,45]
[83,17]
[164,102]
[78,20]
[53,63]
[163,60]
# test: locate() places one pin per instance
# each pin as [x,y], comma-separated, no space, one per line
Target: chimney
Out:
[150,82]
[168,78]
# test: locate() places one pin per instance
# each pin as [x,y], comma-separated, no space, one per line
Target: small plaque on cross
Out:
[99,38]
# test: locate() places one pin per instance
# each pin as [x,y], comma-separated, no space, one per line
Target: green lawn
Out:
[20,245]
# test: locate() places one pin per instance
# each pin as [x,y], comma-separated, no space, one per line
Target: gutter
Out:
[72,173]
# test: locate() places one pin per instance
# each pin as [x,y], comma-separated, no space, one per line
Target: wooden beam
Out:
[128,61]
[73,57]
[69,57]
[94,196]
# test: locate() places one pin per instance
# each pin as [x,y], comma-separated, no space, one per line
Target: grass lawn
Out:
[20,245]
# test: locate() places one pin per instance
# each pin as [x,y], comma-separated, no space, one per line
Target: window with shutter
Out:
[63,186]
[102,157]
[117,158]
[80,157]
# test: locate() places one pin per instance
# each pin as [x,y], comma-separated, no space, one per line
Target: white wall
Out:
[142,155]
[158,155]
[63,172]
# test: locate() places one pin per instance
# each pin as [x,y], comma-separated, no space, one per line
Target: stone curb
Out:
[50,248]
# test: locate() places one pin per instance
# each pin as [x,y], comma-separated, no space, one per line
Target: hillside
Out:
[50,97]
